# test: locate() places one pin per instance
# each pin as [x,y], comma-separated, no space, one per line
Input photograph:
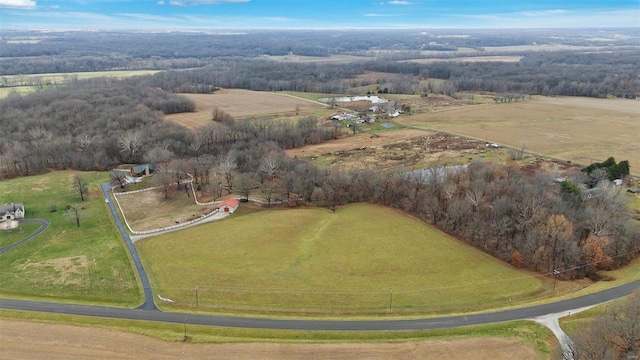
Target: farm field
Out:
[574,129]
[67,263]
[24,84]
[319,59]
[21,339]
[244,103]
[470,59]
[311,261]
[53,78]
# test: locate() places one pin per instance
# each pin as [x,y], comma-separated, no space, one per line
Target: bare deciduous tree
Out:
[130,143]
[270,164]
[81,186]
[74,214]
[227,164]
[164,181]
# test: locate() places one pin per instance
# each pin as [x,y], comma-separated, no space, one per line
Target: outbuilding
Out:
[228,206]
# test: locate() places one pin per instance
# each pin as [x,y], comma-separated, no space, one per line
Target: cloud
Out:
[202,2]
[399,2]
[382,15]
[544,12]
[23,4]
[147,17]
[161,2]
[551,18]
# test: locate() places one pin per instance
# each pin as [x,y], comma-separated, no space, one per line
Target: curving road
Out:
[324,325]
[44,224]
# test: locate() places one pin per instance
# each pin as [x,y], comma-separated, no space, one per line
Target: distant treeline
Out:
[570,73]
[608,68]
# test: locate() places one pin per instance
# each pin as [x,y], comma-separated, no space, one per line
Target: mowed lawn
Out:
[361,259]
[80,264]
[582,130]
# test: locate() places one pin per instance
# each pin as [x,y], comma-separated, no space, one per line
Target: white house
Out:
[11,211]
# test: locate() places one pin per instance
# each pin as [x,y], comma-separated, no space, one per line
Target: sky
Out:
[315,14]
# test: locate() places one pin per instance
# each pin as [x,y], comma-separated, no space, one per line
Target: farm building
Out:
[144,169]
[343,116]
[228,206]
[11,211]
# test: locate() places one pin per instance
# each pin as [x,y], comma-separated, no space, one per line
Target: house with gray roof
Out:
[11,211]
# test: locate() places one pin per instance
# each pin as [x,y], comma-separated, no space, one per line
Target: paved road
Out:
[148,294]
[44,224]
[325,325]
[148,311]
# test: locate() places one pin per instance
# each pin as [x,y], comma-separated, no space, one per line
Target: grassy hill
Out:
[361,259]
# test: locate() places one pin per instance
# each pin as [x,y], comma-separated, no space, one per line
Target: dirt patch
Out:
[66,270]
[8,225]
[31,340]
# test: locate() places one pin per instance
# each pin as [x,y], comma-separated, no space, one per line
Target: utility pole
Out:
[390,300]
[555,278]
[196,295]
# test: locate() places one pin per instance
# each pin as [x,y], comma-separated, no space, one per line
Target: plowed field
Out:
[30,340]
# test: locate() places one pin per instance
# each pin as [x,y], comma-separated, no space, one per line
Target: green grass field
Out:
[360,260]
[67,263]
[11,236]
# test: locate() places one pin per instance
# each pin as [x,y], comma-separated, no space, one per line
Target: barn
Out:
[228,206]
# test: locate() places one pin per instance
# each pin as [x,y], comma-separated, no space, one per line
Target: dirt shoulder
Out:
[33,340]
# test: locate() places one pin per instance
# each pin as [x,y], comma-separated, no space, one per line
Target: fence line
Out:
[190,222]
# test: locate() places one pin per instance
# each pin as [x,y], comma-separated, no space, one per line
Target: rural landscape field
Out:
[281,194]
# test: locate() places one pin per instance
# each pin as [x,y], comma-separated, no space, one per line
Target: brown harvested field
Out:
[470,59]
[581,130]
[242,103]
[320,59]
[32,340]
